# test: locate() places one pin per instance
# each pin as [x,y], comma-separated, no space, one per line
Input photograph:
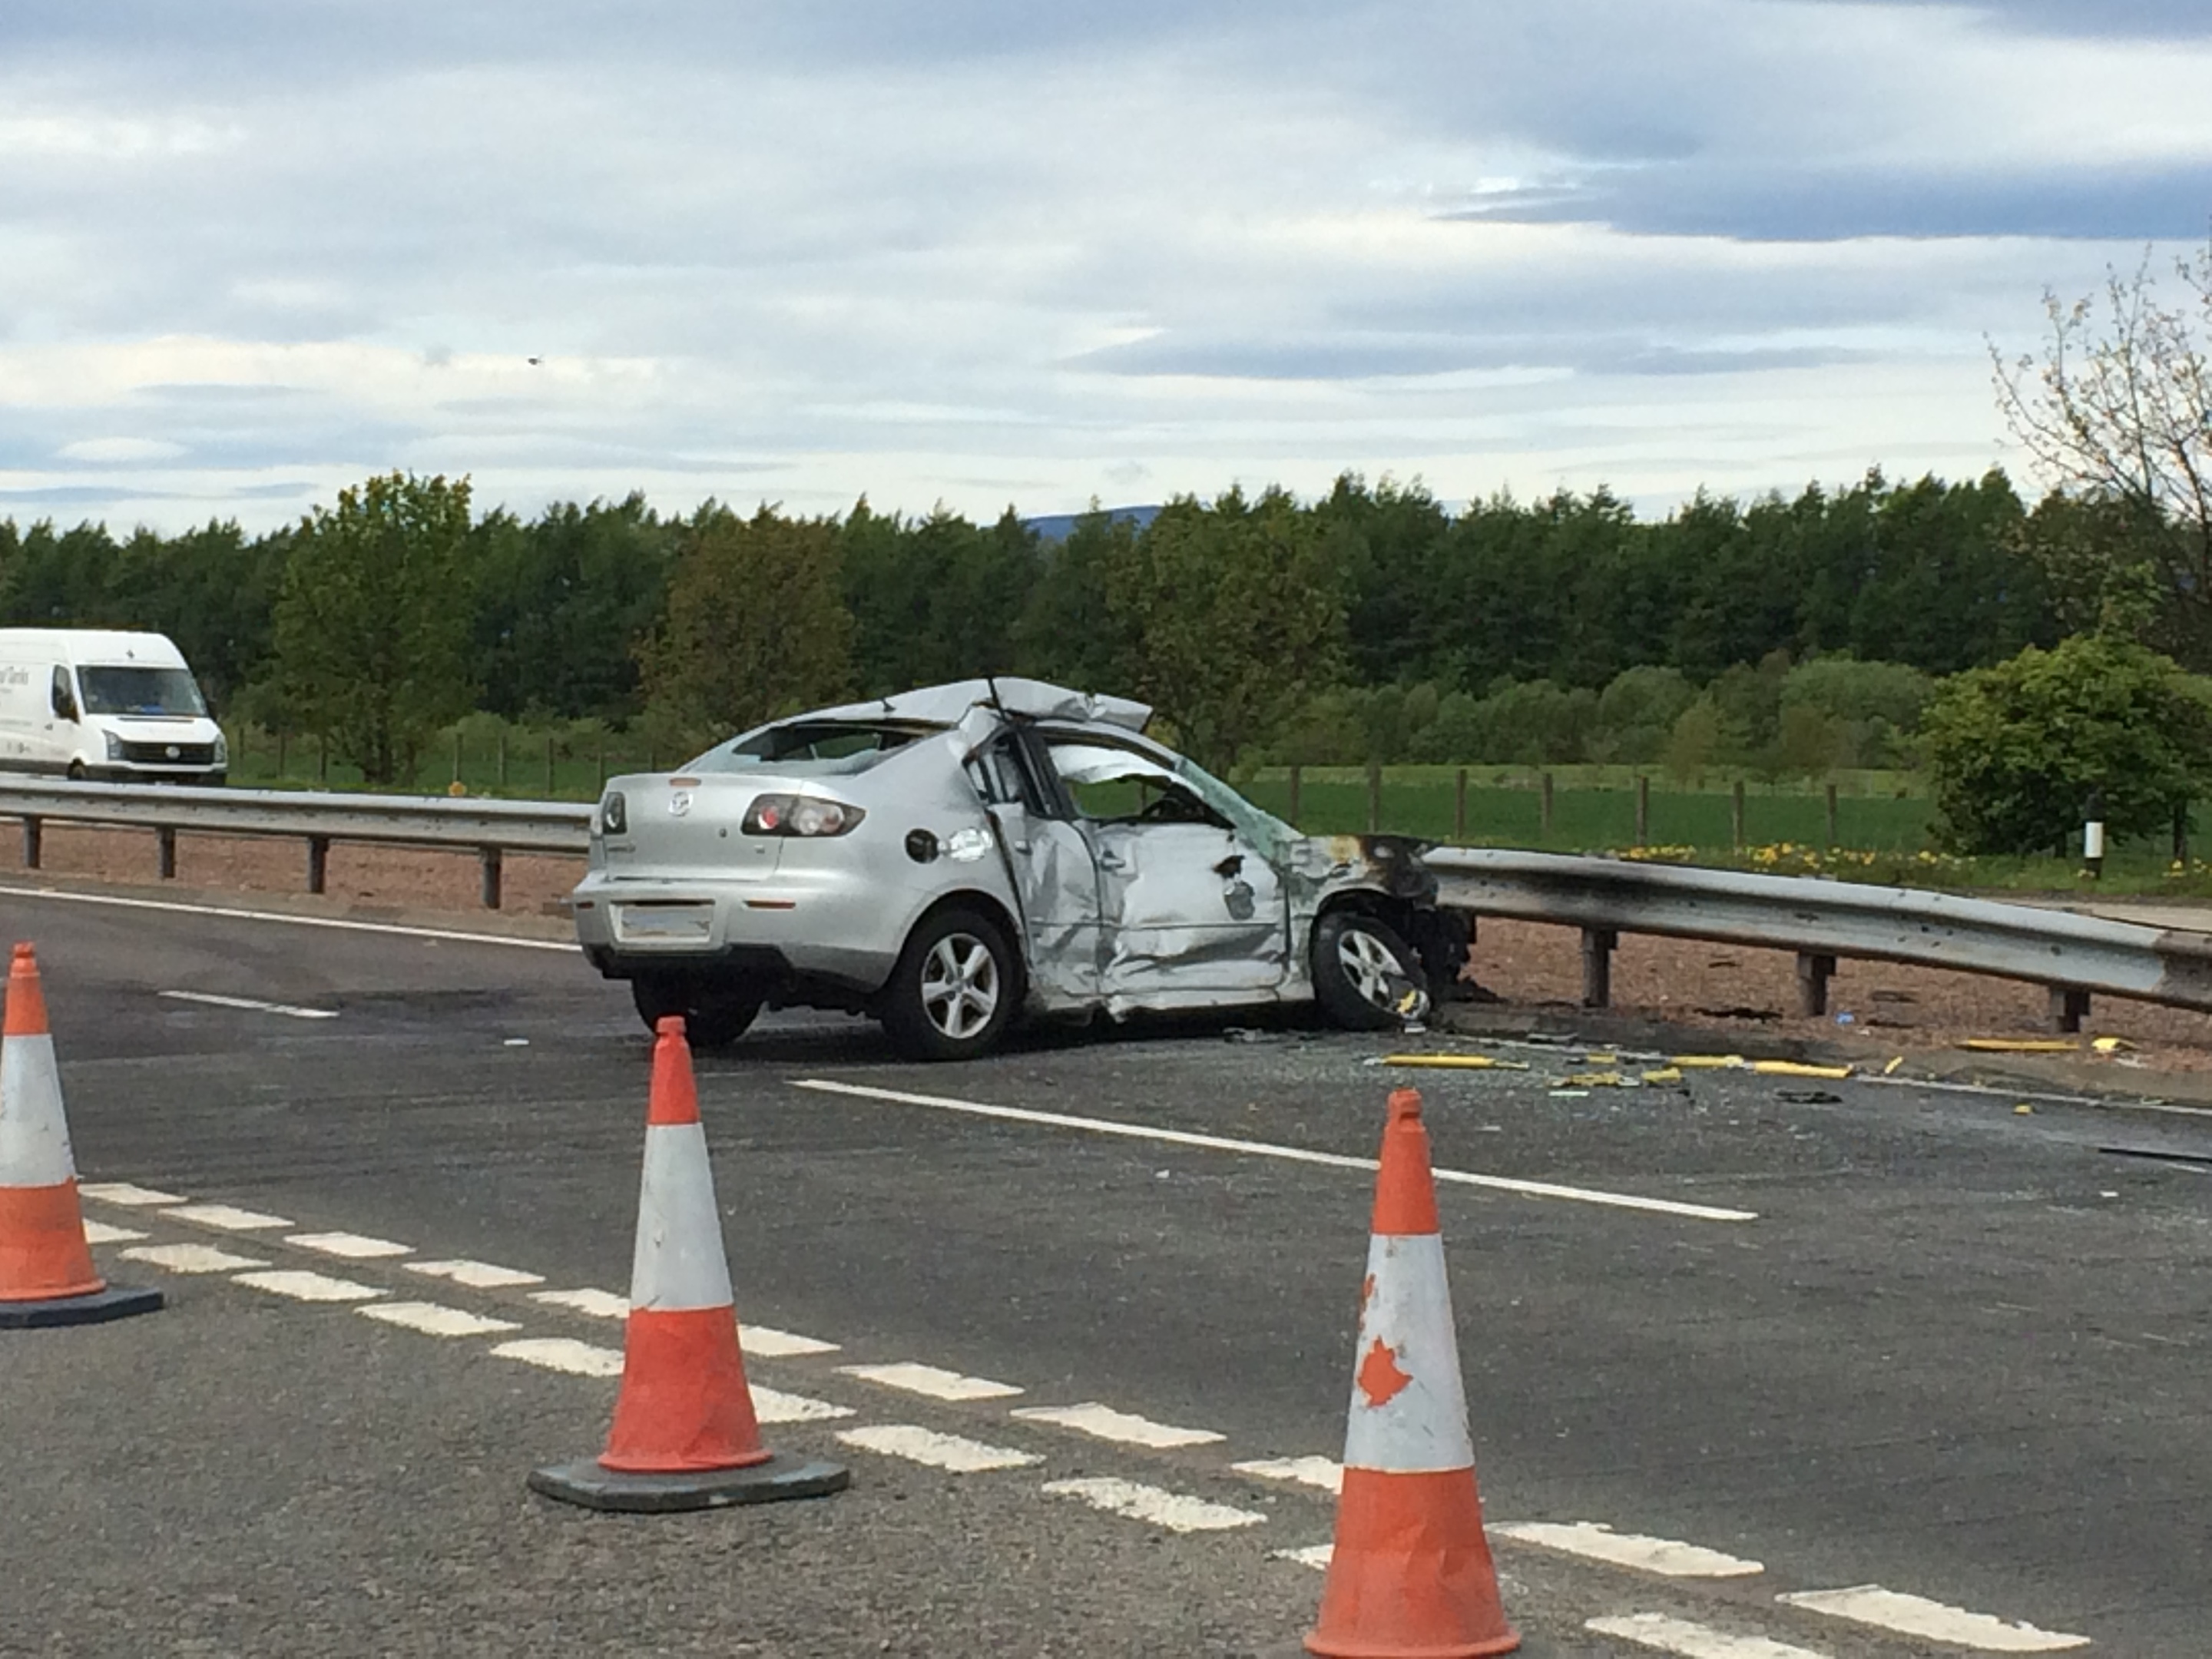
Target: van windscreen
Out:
[139,691]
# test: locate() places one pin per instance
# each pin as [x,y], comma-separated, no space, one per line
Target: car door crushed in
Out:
[950,859]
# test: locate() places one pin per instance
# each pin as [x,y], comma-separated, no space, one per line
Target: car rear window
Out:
[807,750]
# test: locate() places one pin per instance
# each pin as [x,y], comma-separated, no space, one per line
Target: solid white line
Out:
[252,1006]
[230,1218]
[562,1354]
[98,1232]
[937,1383]
[229,912]
[353,1246]
[1914,1615]
[477,1275]
[1656,1630]
[1600,1542]
[774,1406]
[937,1451]
[1316,1556]
[191,1258]
[1153,1506]
[308,1287]
[1101,1126]
[1325,1472]
[122,1192]
[1105,1422]
[780,1345]
[432,1320]
[597,1305]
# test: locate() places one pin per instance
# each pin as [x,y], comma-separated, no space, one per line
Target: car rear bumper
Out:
[771,932]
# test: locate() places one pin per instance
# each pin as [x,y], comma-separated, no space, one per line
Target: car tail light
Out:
[799,814]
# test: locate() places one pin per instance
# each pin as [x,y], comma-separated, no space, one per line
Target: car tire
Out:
[955,990]
[1364,971]
[715,1016]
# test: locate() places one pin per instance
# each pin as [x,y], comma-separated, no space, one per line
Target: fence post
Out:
[280,754]
[1544,806]
[603,766]
[1374,797]
[2181,833]
[1296,773]
[1736,816]
[322,761]
[1459,807]
[549,766]
[1834,841]
[1642,812]
[503,760]
[456,753]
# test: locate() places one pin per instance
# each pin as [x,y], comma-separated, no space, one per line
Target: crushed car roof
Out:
[944,705]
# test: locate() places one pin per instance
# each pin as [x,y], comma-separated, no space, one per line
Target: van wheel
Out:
[955,989]
[76,771]
[1366,977]
[715,1016]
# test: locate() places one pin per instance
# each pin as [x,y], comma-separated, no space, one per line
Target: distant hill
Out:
[1054,526]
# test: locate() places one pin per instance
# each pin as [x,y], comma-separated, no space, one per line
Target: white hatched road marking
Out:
[232,912]
[1105,1422]
[1668,1635]
[475,1275]
[1153,1506]
[354,1247]
[98,1232]
[562,1354]
[1100,1125]
[192,1258]
[1915,1615]
[434,1320]
[599,1304]
[938,1451]
[227,1217]
[308,1287]
[122,1192]
[775,1406]
[1626,1549]
[250,1006]
[1325,1472]
[780,1345]
[1315,1556]
[931,1380]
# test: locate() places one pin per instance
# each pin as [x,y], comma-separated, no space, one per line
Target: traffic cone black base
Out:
[592,1485]
[115,1302]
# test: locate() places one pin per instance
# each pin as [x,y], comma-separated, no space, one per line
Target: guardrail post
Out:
[164,838]
[319,862]
[34,842]
[490,857]
[1814,972]
[1834,841]
[1374,797]
[1459,806]
[1544,805]
[1736,816]
[2070,1006]
[1295,773]
[1642,812]
[1598,945]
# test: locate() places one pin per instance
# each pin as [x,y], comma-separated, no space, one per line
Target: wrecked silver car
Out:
[951,858]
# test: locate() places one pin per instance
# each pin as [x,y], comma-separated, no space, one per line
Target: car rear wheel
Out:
[1366,978]
[955,989]
[713,1016]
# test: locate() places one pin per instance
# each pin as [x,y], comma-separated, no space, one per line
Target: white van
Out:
[92,702]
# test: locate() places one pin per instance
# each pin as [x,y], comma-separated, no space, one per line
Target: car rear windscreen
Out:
[807,750]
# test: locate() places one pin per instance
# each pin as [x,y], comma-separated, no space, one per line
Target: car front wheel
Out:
[954,991]
[714,1017]
[1366,978]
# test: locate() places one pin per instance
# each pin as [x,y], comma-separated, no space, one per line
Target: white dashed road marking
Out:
[1153,1506]
[192,1258]
[930,1380]
[1656,1630]
[1914,1615]
[1100,1125]
[1105,1422]
[250,1006]
[308,1287]
[937,1451]
[122,1192]
[1315,1556]
[475,1275]
[98,1232]
[774,1406]
[227,1217]
[599,1304]
[1325,1472]
[432,1320]
[562,1354]
[352,1246]
[1626,1549]
[232,912]
[780,1345]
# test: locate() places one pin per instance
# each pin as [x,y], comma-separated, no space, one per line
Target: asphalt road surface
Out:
[1769,1341]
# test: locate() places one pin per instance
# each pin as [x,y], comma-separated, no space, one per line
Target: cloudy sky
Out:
[991,250]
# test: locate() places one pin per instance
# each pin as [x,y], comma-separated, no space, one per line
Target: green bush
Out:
[2014,751]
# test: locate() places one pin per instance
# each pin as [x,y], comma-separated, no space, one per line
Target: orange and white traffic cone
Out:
[47,1275]
[1410,1576]
[684,1435]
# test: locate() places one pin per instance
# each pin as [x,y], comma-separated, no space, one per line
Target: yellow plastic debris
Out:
[1797,1068]
[2021,1045]
[1604,1059]
[1458,1062]
[1599,1080]
[1707,1063]
[1664,1074]
[2111,1045]
[1890,1070]
[2023,1110]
